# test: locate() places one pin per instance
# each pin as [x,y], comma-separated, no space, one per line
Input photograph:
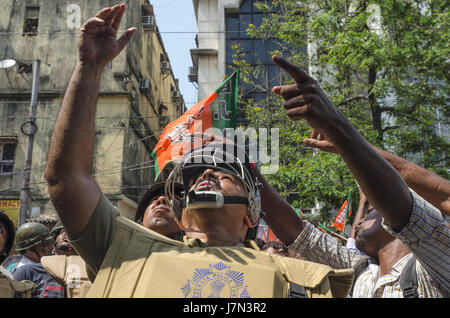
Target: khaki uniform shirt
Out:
[70,272]
[10,288]
[132,261]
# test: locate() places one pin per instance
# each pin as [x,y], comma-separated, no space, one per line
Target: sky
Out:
[173,17]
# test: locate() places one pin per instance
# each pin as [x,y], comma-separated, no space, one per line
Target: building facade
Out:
[222,26]
[138,96]
[222,33]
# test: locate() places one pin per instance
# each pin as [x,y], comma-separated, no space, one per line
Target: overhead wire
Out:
[160,32]
[100,173]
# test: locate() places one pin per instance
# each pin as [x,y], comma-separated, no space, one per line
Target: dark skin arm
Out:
[280,216]
[360,213]
[427,184]
[72,187]
[381,183]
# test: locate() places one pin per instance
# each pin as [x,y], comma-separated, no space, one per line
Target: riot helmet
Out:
[225,157]
[31,234]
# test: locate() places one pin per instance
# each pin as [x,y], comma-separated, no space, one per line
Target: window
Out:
[162,109]
[23,68]
[31,22]
[255,51]
[7,155]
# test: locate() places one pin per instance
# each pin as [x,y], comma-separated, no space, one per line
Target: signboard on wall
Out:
[11,208]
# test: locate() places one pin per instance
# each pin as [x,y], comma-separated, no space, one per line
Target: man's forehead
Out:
[199,173]
[161,193]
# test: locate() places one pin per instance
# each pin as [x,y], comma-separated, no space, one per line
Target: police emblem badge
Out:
[217,281]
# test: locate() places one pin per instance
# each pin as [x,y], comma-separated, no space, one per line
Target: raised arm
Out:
[427,184]
[384,187]
[280,215]
[360,213]
[72,187]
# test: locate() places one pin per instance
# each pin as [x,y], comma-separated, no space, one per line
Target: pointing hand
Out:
[306,100]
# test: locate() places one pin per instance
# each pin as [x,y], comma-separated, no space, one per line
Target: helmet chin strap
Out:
[210,200]
[38,255]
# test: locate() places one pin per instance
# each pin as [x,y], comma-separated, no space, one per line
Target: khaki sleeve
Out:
[97,237]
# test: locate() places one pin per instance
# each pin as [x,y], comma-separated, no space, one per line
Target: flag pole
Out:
[329,231]
[347,209]
[345,223]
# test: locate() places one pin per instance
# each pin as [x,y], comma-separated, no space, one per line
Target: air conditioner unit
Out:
[175,94]
[163,120]
[148,22]
[193,74]
[165,66]
[144,85]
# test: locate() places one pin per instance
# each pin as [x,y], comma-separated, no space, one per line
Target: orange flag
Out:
[344,212]
[184,133]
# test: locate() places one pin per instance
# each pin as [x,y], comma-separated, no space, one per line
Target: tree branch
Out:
[387,109]
[390,128]
[350,99]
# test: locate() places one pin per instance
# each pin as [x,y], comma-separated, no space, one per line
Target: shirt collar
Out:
[196,242]
[398,267]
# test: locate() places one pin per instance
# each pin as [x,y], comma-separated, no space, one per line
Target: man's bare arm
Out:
[427,184]
[280,216]
[361,212]
[72,187]
[381,183]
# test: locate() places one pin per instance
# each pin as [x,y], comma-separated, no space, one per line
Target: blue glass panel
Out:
[246,6]
[232,26]
[231,22]
[261,51]
[258,19]
[274,76]
[244,21]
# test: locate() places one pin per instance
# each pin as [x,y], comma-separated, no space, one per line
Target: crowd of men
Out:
[194,234]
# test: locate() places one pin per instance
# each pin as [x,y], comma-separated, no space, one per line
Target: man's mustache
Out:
[209,179]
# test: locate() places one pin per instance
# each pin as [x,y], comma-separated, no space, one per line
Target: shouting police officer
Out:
[219,209]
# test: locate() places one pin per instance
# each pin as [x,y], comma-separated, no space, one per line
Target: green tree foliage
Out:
[384,64]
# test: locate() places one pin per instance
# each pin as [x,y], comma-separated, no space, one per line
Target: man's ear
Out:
[249,222]
[182,222]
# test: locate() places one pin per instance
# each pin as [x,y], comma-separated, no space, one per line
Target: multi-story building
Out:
[138,96]
[222,25]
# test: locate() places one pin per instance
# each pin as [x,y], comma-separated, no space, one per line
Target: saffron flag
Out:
[214,113]
[344,212]
[266,234]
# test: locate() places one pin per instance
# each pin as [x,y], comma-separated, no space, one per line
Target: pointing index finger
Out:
[297,73]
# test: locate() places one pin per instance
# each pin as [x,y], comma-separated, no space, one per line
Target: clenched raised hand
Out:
[98,43]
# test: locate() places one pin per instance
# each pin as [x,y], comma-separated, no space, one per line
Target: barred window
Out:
[31,21]
[7,156]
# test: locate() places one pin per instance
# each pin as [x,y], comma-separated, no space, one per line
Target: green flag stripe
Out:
[219,89]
